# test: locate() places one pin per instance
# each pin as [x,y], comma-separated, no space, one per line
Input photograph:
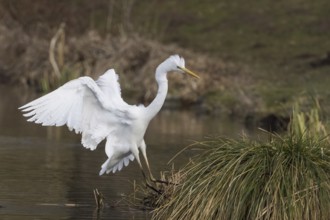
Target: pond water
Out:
[46,174]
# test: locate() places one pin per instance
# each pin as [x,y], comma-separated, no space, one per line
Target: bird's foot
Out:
[159,192]
[152,184]
[163,182]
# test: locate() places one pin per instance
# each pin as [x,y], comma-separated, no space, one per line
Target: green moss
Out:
[277,99]
[221,100]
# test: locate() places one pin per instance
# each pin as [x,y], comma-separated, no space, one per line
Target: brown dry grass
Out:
[285,177]
[25,37]
[148,199]
[25,61]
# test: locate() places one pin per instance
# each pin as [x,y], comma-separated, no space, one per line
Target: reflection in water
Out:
[46,173]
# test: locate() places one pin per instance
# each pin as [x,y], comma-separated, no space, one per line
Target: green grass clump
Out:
[286,177]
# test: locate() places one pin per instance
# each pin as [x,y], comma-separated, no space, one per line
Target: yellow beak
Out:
[189,72]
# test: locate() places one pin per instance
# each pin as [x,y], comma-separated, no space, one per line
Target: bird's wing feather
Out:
[92,108]
[109,85]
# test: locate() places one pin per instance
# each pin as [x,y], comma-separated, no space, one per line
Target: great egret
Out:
[97,111]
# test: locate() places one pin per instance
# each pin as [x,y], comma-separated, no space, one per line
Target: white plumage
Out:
[97,111]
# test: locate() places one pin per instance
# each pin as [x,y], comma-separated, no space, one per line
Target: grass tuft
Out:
[147,199]
[286,177]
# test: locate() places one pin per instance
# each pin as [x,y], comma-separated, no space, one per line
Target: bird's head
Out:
[175,63]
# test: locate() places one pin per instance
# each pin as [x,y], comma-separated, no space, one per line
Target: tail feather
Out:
[104,167]
[112,166]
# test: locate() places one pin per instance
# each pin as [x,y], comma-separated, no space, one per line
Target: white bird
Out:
[97,111]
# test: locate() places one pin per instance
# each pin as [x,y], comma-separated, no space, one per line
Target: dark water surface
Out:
[46,174]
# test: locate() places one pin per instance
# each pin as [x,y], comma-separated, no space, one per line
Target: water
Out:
[46,174]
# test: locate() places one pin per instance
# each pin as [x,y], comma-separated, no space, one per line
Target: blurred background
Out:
[255,59]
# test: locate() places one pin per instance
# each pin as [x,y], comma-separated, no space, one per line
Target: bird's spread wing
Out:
[93,108]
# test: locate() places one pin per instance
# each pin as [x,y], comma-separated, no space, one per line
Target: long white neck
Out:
[157,103]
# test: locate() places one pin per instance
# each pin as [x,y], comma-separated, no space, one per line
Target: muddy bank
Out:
[25,61]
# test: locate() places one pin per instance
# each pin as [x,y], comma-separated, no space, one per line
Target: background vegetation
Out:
[259,56]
